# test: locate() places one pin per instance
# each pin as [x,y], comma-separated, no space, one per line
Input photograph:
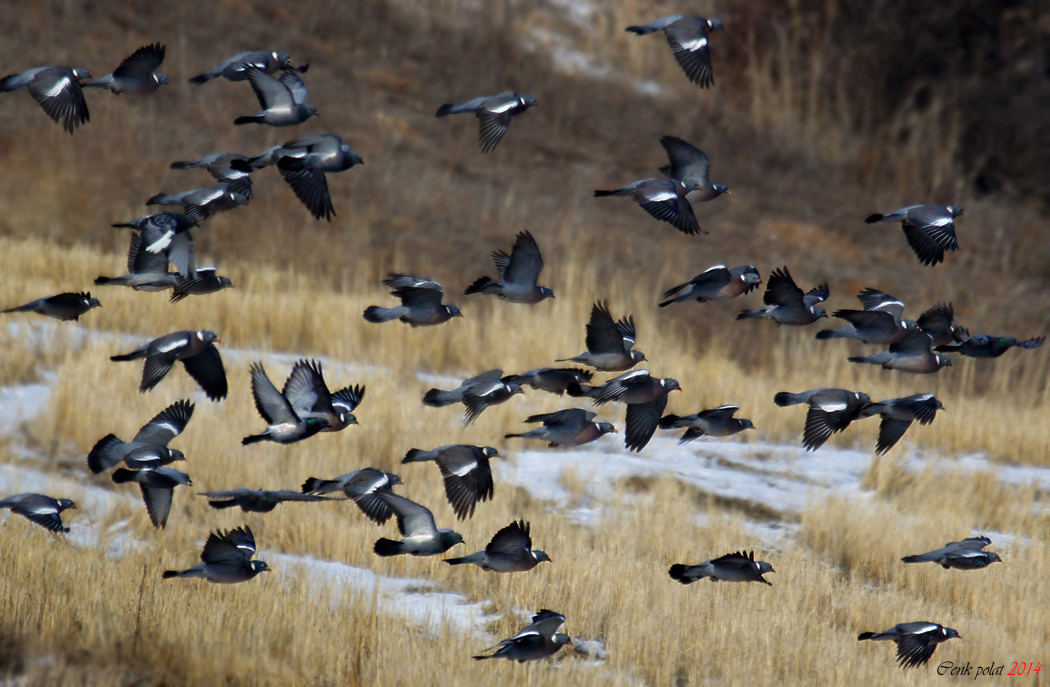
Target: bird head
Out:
[818,311]
[490,452]
[311,111]
[63,504]
[764,568]
[393,479]
[943,360]
[561,639]
[670,385]
[528,101]
[606,428]
[545,292]
[715,24]
[260,567]
[453,311]
[451,538]
[541,556]
[90,302]
[225,283]
[637,356]
[161,79]
[176,454]
[956,210]
[208,337]
[949,633]
[354,158]
[746,424]
[282,58]
[80,73]
[347,418]
[719,189]
[993,557]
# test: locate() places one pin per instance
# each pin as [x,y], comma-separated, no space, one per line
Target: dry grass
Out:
[426,202]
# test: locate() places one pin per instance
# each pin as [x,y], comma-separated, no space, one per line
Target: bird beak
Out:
[218,340]
[728,192]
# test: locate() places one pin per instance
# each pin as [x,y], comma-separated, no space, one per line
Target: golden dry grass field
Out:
[90,607]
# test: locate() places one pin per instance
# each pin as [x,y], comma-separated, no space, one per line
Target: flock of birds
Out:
[305,406]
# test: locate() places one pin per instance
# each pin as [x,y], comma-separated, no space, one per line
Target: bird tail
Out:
[388,547]
[201,78]
[250,119]
[176,165]
[123,475]
[479,286]
[750,314]
[785,398]
[667,421]
[458,561]
[436,398]
[163,199]
[415,455]
[97,460]
[577,390]
[134,355]
[677,573]
[21,308]
[11,82]
[253,439]
[515,436]
[870,359]
[108,281]
[313,484]
[617,192]
[828,334]
[872,219]
[374,313]
[229,503]
[865,635]
[168,574]
[914,559]
[452,108]
[651,27]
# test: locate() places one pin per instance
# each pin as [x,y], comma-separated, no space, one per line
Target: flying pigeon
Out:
[930,229]
[939,323]
[256,500]
[64,306]
[916,641]
[43,510]
[830,411]
[645,397]
[282,99]
[687,37]
[57,90]
[691,166]
[197,352]
[465,470]
[509,551]
[226,558]
[716,422]
[157,485]
[308,394]
[910,354]
[715,284]
[421,537]
[235,68]
[553,379]
[518,273]
[420,303]
[149,448]
[878,323]
[201,203]
[135,75]
[961,555]
[360,486]
[569,427]
[285,425]
[537,640]
[202,281]
[898,414]
[732,567]
[224,167]
[984,346]
[494,113]
[664,199]
[476,394]
[785,303]
[610,343]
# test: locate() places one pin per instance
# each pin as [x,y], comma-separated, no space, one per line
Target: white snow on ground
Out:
[418,600]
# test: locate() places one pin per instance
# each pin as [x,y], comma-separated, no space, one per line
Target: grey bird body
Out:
[930,229]
[911,354]
[915,641]
[687,38]
[553,379]
[157,485]
[360,486]
[610,343]
[830,411]
[282,99]
[984,346]
[421,304]
[135,75]
[880,322]
[63,306]
[537,640]
[57,90]
[715,284]
[664,199]
[226,558]
[284,424]
[224,167]
[732,567]
[203,281]
[40,509]
[256,500]
[201,203]
[645,397]
[235,68]
[149,447]
[494,113]
[476,394]
[420,536]
[785,302]
[961,555]
[569,427]
[304,162]
[197,352]
[465,470]
[898,414]
[510,550]
[518,273]
[716,422]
